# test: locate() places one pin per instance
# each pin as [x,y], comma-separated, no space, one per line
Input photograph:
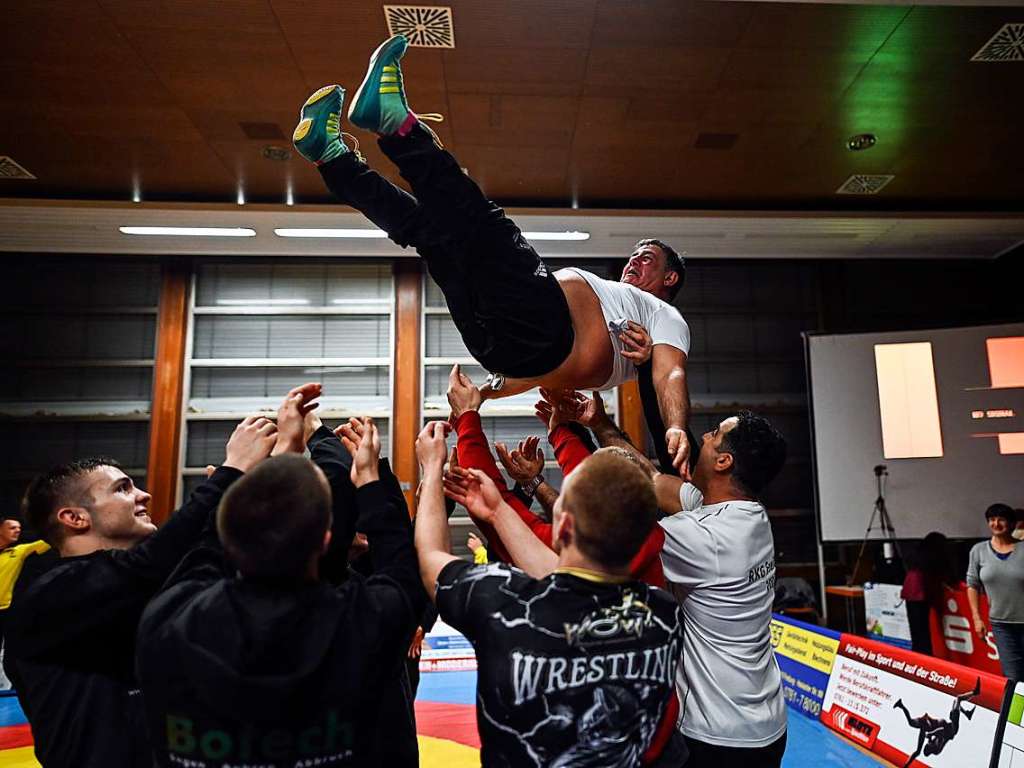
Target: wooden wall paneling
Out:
[631,414]
[406,396]
[168,389]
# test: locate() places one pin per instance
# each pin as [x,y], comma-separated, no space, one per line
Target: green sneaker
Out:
[318,134]
[379,105]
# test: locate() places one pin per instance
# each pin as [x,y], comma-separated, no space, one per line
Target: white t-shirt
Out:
[622,301]
[719,561]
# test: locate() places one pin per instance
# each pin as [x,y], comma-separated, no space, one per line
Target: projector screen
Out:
[943,410]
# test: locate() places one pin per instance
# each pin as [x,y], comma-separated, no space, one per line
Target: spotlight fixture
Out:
[275,153]
[861,141]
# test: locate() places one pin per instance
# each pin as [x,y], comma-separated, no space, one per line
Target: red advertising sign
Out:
[912,710]
[953,636]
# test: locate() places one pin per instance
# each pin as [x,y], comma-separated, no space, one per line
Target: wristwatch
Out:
[530,486]
[495,381]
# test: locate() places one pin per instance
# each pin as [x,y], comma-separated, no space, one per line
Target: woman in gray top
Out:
[997,567]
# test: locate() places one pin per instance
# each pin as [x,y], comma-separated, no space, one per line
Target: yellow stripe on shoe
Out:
[389,89]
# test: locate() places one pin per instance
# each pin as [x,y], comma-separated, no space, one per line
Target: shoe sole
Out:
[318,94]
[302,129]
[381,49]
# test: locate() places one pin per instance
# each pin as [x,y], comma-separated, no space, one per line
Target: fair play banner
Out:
[913,710]
[953,636]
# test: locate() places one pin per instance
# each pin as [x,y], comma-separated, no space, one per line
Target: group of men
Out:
[628,628]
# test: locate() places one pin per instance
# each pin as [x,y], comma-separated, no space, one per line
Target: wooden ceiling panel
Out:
[668,23]
[209,68]
[598,99]
[531,174]
[529,24]
[853,28]
[775,68]
[512,120]
[536,71]
[803,106]
[957,31]
[626,70]
[109,168]
[229,17]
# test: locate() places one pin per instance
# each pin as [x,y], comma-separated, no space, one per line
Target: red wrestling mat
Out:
[13,736]
[454,722]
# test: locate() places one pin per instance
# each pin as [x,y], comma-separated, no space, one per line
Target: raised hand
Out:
[636,343]
[590,410]
[475,491]
[462,394]
[679,449]
[292,418]
[251,442]
[361,438]
[564,406]
[431,448]
[522,464]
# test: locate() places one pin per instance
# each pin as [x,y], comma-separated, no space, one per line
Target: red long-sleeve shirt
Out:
[475,453]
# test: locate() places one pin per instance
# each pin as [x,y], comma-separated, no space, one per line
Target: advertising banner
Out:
[805,654]
[1012,754]
[885,613]
[953,636]
[445,649]
[913,710]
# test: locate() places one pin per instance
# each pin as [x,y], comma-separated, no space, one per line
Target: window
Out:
[259,330]
[78,339]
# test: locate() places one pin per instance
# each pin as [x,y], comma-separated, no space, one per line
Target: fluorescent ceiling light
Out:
[556,235]
[358,233]
[262,302]
[190,231]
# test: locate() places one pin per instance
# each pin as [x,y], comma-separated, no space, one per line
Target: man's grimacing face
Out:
[647,269]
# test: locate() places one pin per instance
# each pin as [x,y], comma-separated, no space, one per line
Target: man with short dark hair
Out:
[71,627]
[719,561]
[575,668]
[526,325]
[248,658]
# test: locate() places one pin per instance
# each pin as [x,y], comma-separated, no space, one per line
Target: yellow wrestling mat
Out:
[435,753]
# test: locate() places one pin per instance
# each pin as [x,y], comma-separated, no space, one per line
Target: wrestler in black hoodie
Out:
[71,628]
[260,668]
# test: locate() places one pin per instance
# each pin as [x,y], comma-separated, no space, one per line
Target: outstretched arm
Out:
[669,374]
[478,493]
[432,534]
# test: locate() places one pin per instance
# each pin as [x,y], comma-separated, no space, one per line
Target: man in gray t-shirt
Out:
[719,561]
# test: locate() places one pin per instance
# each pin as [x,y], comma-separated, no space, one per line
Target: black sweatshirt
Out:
[249,674]
[396,747]
[71,640]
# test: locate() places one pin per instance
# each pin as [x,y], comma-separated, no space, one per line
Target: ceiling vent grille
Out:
[9,169]
[264,131]
[426,26]
[864,184]
[715,140]
[1006,45]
